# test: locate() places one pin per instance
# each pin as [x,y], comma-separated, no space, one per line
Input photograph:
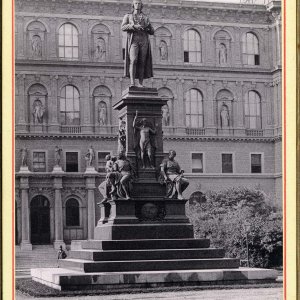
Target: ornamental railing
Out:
[195,131]
[254,132]
[70,129]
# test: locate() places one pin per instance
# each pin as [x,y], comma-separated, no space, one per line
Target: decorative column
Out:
[90,186]
[240,128]
[24,187]
[85,41]
[57,185]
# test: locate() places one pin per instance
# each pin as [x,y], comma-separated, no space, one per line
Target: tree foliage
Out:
[223,216]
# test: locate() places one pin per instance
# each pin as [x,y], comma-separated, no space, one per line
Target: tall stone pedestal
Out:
[147,240]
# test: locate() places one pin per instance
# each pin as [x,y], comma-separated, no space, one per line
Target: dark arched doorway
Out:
[40,220]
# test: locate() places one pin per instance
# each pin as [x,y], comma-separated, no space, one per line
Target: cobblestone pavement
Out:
[232,294]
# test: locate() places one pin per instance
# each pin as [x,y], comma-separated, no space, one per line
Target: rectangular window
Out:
[197,162]
[39,162]
[71,161]
[102,161]
[256,60]
[186,56]
[256,163]
[227,166]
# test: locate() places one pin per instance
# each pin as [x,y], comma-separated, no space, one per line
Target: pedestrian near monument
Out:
[61,254]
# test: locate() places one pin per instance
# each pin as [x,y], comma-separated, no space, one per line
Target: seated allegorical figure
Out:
[172,176]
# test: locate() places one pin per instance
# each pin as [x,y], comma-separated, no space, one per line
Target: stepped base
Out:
[65,279]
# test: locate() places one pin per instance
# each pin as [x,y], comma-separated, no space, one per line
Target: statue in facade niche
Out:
[57,155]
[163,50]
[24,157]
[144,141]
[222,54]
[138,58]
[90,156]
[38,111]
[102,113]
[122,136]
[172,176]
[36,46]
[224,116]
[100,50]
[165,115]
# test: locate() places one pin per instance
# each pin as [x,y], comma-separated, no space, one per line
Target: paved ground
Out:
[232,294]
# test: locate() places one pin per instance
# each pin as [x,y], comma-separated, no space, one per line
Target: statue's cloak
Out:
[127,25]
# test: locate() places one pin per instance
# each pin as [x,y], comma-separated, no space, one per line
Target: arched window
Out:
[194,109]
[192,46]
[69,106]
[253,110]
[68,42]
[250,49]
[72,213]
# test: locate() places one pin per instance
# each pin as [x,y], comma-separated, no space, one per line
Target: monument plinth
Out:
[145,239]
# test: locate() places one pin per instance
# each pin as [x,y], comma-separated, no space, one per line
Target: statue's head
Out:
[144,121]
[113,158]
[121,155]
[172,154]
[108,157]
[137,4]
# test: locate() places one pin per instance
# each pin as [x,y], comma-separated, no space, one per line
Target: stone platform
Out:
[144,263]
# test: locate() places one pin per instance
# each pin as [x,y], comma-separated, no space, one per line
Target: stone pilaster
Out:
[53,105]
[209,108]
[180,124]
[25,240]
[86,106]
[21,123]
[59,226]
[90,186]
[85,41]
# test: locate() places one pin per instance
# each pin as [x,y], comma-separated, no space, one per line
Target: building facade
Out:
[217,64]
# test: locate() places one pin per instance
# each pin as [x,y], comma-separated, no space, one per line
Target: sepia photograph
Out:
[148,142]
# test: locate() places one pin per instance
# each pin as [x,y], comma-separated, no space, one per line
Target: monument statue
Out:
[90,156]
[224,115]
[105,186]
[122,136]
[138,58]
[57,155]
[144,141]
[172,176]
[24,157]
[38,111]
[121,178]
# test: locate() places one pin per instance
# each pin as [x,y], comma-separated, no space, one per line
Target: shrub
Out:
[222,217]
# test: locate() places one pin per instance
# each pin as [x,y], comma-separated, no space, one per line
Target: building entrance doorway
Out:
[40,220]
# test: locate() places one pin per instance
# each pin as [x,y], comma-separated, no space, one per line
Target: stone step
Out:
[148,254]
[145,244]
[63,279]
[148,265]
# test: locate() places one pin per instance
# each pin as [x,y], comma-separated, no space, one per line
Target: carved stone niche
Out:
[224,109]
[102,108]
[100,41]
[36,40]
[222,42]
[168,109]
[162,45]
[37,107]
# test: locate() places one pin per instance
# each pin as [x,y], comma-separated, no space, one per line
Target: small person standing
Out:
[61,254]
